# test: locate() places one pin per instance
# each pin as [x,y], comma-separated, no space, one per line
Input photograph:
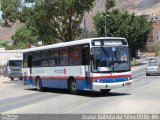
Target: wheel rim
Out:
[38,84]
[73,86]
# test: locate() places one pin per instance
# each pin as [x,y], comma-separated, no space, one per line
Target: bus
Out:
[13,69]
[98,64]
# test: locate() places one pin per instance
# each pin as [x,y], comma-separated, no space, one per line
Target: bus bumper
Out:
[99,86]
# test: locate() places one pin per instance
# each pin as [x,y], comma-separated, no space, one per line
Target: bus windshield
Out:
[15,63]
[110,59]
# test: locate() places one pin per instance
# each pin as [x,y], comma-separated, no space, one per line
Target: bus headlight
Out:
[98,80]
[94,80]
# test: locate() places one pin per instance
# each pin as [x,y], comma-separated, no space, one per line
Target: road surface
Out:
[142,97]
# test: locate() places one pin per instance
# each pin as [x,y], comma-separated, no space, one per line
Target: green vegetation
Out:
[109,4]
[3,43]
[27,35]
[135,62]
[54,21]
[122,24]
[49,21]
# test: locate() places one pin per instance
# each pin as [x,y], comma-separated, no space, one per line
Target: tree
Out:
[55,20]
[3,43]
[25,35]
[10,9]
[109,4]
[122,24]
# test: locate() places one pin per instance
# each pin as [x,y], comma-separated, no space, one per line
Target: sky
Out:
[0,14]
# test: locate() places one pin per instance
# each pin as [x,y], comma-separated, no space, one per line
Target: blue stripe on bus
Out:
[81,84]
[111,80]
[62,83]
[28,81]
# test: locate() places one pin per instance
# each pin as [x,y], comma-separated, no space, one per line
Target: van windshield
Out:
[15,63]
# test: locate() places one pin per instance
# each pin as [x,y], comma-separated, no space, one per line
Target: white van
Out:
[14,68]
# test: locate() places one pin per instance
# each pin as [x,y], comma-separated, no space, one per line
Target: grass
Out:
[135,62]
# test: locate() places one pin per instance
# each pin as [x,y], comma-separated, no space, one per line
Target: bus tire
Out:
[73,86]
[12,79]
[105,91]
[39,84]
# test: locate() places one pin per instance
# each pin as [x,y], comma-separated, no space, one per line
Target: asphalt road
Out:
[142,97]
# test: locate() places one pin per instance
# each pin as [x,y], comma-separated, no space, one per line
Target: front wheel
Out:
[73,87]
[12,79]
[105,91]
[39,84]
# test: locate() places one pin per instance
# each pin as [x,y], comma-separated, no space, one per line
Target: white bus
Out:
[14,68]
[90,64]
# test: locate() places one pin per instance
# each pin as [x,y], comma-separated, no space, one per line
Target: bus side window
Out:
[64,56]
[53,60]
[85,55]
[75,55]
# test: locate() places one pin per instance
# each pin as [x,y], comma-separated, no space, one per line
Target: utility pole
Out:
[85,29]
[105,24]
[105,27]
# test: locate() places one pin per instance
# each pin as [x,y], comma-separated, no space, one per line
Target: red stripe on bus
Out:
[79,78]
[112,76]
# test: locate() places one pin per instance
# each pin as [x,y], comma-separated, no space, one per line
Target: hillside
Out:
[140,6]
[137,6]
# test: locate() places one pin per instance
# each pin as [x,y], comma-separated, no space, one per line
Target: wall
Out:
[6,54]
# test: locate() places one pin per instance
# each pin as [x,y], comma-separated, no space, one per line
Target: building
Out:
[154,35]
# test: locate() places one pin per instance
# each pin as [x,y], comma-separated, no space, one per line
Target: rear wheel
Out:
[73,87]
[105,91]
[39,85]
[12,79]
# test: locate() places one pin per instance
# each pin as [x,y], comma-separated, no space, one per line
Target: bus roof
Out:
[70,43]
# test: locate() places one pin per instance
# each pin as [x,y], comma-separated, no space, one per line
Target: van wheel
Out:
[12,79]
[73,87]
[21,78]
[39,84]
[105,91]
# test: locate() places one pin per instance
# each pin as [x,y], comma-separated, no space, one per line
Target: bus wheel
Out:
[105,91]
[39,84]
[12,79]
[73,87]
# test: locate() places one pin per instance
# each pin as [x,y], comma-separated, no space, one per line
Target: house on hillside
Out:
[154,35]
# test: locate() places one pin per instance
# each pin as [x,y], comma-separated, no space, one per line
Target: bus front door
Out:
[86,63]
